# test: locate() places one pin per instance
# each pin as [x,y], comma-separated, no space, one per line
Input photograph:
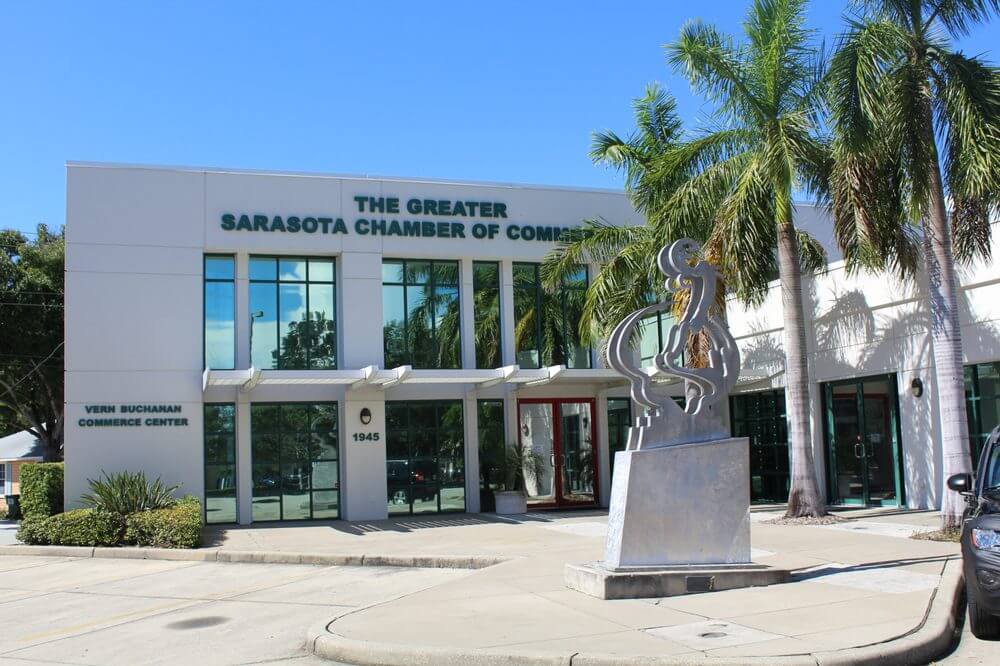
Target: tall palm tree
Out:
[917,130]
[731,185]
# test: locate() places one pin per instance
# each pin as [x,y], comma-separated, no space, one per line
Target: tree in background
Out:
[730,184]
[917,144]
[31,334]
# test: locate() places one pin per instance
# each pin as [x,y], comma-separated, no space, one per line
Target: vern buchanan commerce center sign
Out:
[370,225]
[132,416]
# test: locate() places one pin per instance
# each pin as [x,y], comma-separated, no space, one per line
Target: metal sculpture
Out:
[666,423]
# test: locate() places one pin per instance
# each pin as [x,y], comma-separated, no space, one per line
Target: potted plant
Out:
[521,465]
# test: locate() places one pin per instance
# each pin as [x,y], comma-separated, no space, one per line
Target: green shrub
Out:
[32,531]
[176,527]
[84,527]
[128,492]
[41,490]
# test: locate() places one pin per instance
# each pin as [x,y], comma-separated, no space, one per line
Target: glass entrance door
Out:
[863,441]
[562,434]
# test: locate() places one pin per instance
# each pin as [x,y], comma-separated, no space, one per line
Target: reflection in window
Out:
[546,328]
[420,314]
[293,325]
[220,463]
[492,451]
[294,456]
[619,421]
[761,417]
[425,456]
[220,307]
[653,332]
[486,300]
[982,404]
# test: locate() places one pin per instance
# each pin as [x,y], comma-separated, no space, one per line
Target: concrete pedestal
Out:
[680,505]
[679,523]
[641,583]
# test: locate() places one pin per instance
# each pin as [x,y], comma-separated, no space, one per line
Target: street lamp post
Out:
[253,316]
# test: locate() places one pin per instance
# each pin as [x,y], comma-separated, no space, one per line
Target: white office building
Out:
[299,346]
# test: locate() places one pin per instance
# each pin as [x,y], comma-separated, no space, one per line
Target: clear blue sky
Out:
[506,91]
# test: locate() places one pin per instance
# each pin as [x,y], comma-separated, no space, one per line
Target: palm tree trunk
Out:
[804,498]
[946,334]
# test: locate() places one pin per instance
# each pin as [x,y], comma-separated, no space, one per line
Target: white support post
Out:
[603,448]
[471,421]
[244,474]
[242,313]
[508,353]
[468,315]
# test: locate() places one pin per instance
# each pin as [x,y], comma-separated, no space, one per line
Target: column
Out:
[363,487]
[508,353]
[468,314]
[471,421]
[244,460]
[242,310]
[603,448]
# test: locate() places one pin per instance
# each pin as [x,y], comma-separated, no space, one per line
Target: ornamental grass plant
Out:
[125,493]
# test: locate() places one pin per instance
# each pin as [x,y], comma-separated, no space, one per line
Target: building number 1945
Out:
[367,436]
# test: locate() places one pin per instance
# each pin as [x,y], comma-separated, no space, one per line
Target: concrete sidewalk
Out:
[859,583]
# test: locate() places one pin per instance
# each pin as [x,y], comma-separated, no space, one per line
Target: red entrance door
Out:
[562,432]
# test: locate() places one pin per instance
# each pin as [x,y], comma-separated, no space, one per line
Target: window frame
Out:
[278,433]
[205,462]
[205,281]
[307,282]
[498,354]
[973,406]
[564,326]
[438,432]
[431,285]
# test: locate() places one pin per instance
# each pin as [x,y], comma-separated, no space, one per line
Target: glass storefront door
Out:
[862,438]
[562,435]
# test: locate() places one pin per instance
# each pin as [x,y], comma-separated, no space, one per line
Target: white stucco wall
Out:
[136,237]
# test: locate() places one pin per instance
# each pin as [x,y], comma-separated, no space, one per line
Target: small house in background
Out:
[16,450]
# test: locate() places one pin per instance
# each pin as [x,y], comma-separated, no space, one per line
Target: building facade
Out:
[296,346]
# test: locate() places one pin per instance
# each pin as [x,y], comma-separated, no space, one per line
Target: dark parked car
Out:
[981,539]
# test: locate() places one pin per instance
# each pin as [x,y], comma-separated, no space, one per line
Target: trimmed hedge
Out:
[80,527]
[32,531]
[41,490]
[176,527]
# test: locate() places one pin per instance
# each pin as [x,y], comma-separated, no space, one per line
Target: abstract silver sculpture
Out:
[679,518]
[666,423]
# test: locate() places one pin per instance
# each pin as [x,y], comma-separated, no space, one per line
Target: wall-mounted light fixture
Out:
[917,387]
[366,416]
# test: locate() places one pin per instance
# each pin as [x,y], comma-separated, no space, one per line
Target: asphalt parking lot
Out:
[106,611]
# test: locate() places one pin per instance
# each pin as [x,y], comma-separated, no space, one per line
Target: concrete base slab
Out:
[644,582]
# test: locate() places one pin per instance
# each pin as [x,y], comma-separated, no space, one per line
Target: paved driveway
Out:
[104,611]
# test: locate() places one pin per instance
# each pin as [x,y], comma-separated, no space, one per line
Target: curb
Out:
[255,556]
[930,639]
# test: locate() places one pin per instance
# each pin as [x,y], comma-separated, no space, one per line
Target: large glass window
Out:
[982,403]
[619,421]
[295,461]
[220,309]
[220,463]
[292,313]
[547,324]
[492,451]
[425,456]
[761,417]
[486,304]
[653,333]
[420,313]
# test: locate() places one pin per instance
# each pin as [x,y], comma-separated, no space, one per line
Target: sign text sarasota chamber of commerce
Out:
[375,219]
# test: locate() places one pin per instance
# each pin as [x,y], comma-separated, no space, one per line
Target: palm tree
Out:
[731,186]
[917,128]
